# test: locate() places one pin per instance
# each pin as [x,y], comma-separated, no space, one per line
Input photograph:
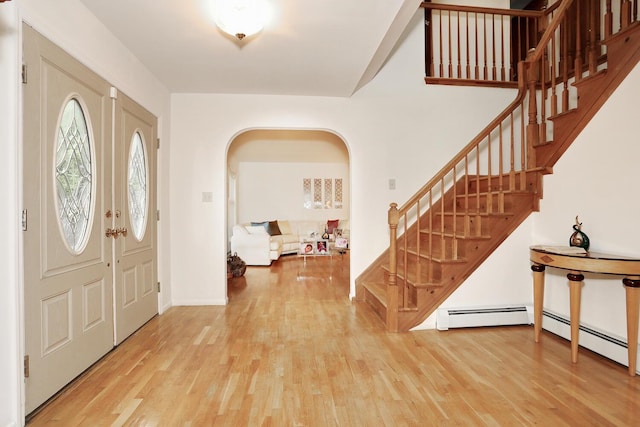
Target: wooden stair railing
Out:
[455,221]
[468,44]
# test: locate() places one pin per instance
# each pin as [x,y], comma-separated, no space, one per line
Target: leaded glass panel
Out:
[73,176]
[137,173]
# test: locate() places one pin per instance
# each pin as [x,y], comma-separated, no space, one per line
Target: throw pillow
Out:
[273,229]
[264,224]
[285,227]
[332,224]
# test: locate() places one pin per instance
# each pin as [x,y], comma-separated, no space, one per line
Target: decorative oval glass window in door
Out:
[73,176]
[137,179]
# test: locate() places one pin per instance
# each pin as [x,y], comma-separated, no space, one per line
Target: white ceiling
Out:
[309,47]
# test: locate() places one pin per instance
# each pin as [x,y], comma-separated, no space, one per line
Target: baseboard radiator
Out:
[600,342]
[447,318]
[605,344]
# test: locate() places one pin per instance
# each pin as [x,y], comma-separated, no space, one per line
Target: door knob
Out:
[111,232]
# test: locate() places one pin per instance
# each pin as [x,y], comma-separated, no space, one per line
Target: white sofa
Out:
[253,243]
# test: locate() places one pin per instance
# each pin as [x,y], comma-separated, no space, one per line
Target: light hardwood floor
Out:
[290,349]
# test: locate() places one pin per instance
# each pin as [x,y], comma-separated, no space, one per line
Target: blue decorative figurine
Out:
[578,238]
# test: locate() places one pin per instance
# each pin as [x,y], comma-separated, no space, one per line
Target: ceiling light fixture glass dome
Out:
[240,18]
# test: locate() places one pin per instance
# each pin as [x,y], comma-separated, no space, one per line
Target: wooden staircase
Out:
[452,224]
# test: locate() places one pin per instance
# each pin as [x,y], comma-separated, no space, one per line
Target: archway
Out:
[288,175]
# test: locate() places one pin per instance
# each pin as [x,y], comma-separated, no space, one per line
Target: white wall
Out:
[272,191]
[395,127]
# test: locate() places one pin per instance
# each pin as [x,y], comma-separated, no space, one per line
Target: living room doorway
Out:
[299,177]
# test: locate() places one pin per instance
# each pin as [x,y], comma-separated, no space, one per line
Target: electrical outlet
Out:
[392,183]
[207,197]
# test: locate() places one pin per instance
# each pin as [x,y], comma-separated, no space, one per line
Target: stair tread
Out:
[426,257]
[414,282]
[462,212]
[379,291]
[457,236]
[570,111]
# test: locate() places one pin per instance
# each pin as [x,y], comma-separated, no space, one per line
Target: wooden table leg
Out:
[575,290]
[632,290]
[538,299]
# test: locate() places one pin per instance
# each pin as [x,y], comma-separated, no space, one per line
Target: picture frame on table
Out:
[322,247]
[342,243]
[307,248]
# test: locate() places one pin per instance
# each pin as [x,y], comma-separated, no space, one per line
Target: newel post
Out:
[392,286]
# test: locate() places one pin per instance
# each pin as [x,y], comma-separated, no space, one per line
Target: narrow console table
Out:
[577,263]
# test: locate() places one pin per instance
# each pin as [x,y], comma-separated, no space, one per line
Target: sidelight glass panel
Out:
[73,176]
[137,179]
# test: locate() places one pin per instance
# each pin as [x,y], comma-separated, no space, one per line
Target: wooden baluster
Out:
[430,242]
[625,14]
[543,99]
[454,242]
[500,171]
[392,286]
[478,179]
[494,74]
[485,69]
[467,230]
[502,53]
[553,71]
[532,128]
[514,60]
[577,68]
[450,75]
[594,10]
[477,68]
[523,150]
[442,241]
[608,20]
[441,68]
[489,181]
[459,52]
[405,264]
[468,73]
[565,67]
[512,153]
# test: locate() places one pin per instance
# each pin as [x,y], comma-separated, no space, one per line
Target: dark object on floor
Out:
[236,265]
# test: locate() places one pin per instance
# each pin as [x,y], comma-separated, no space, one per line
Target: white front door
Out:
[136,298]
[72,166]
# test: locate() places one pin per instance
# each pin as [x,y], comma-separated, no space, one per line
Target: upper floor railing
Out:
[482,46]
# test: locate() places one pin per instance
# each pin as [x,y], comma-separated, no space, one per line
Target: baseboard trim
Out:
[601,342]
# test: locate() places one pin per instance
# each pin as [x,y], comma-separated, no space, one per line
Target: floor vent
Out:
[605,344]
[447,318]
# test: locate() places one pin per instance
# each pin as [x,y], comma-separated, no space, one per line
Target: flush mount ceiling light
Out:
[240,18]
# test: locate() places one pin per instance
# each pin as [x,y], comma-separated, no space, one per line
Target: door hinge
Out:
[158,143]
[24,74]
[26,366]
[158,215]
[24,220]
[158,287]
